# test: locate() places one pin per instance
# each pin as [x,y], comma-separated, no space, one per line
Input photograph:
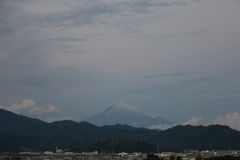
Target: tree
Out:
[151,156]
[199,157]
[172,158]
[179,158]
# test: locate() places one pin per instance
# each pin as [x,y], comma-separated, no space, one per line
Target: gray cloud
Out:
[5,31]
[198,1]
[73,51]
[35,82]
[203,80]
[82,56]
[85,13]
[179,3]
[170,74]
[150,90]
[164,37]
[69,39]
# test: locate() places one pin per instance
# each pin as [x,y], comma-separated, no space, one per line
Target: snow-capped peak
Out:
[120,113]
[122,109]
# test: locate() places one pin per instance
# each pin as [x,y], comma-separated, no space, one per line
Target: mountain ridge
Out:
[121,108]
[32,133]
[120,113]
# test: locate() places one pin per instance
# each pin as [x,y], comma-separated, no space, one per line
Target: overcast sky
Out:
[179,60]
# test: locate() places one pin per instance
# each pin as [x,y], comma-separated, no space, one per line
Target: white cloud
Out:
[28,108]
[194,121]
[231,119]
[162,126]
[53,119]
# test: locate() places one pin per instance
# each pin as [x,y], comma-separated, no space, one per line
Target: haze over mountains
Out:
[120,113]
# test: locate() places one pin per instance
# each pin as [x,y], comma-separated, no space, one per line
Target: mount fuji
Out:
[120,113]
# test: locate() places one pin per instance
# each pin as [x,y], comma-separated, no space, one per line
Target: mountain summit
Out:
[120,113]
[122,109]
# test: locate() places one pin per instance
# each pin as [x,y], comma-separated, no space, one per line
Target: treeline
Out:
[227,157]
[151,156]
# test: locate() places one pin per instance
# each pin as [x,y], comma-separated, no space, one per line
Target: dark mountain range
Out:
[120,113]
[199,137]
[14,124]
[19,131]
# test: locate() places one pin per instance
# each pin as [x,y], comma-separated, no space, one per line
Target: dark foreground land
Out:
[193,155]
[19,133]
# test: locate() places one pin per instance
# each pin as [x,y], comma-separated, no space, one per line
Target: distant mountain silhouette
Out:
[211,137]
[13,123]
[18,131]
[120,113]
